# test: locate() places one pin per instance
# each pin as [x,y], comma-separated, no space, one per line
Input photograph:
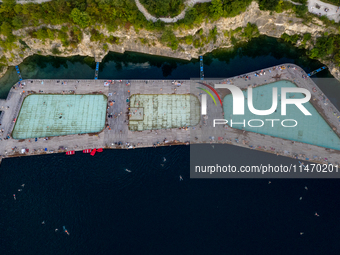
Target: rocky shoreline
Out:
[270,24]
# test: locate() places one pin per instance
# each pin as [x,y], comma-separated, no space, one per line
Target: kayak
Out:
[70,152]
[93,152]
[100,150]
[87,151]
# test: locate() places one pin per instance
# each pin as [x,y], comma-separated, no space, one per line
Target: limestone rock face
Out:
[273,25]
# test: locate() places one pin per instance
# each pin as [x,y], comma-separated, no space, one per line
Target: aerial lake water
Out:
[108,210]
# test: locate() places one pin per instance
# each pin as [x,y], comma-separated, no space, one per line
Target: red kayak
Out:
[70,152]
[87,151]
[93,152]
[100,150]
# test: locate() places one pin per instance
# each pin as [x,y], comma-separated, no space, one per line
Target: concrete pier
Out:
[117,135]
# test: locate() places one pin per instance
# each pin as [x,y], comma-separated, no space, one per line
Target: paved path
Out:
[188,3]
[332,14]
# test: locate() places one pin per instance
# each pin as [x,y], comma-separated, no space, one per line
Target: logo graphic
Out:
[238,103]
[204,97]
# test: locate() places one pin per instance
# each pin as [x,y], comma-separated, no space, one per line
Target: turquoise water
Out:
[54,115]
[310,129]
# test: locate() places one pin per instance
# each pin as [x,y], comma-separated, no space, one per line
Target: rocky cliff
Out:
[270,24]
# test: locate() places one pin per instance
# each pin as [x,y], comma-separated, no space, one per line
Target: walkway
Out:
[119,136]
[333,13]
[188,3]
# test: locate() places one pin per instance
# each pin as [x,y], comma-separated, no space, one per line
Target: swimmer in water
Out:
[65,230]
[164,159]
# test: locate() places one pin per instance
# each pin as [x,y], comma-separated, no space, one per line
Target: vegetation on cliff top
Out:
[76,16]
[326,47]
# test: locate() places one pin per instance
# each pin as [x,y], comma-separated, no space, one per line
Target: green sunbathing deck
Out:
[150,112]
[310,129]
[56,115]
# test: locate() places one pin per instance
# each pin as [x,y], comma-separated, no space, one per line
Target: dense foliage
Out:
[81,12]
[75,16]
[335,2]
[163,8]
[282,5]
[326,47]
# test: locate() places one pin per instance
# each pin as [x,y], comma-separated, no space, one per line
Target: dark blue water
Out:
[108,210]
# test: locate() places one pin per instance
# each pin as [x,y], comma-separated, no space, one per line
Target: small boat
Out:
[70,152]
[65,230]
[87,151]
[100,150]
[127,170]
[93,152]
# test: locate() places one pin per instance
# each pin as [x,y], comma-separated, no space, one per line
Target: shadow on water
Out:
[259,53]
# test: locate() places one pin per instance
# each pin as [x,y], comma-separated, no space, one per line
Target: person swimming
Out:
[65,230]
[180,178]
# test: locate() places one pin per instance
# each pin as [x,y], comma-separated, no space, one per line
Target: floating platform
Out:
[317,71]
[97,71]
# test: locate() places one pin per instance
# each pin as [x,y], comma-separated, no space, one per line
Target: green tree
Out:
[216,8]
[250,30]
[41,34]
[17,22]
[50,34]
[6,29]
[168,38]
[80,18]
[189,39]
